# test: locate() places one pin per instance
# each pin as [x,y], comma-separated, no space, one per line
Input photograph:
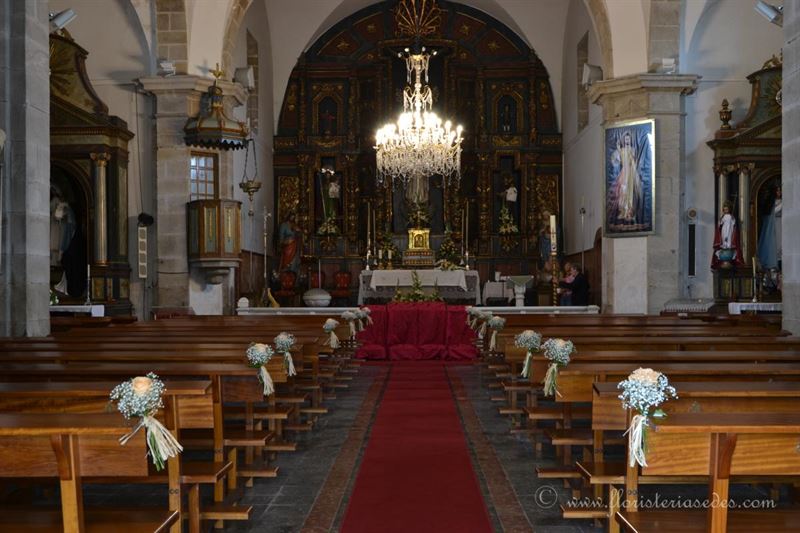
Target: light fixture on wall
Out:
[59,20]
[246,77]
[166,68]
[250,186]
[591,74]
[668,65]
[212,128]
[774,14]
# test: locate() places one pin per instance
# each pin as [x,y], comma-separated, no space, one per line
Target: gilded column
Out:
[100,208]
[484,204]
[744,212]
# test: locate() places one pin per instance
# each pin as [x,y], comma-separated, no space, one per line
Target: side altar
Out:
[454,286]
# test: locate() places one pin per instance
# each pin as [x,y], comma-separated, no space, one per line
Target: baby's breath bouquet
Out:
[141,397]
[350,317]
[329,327]
[531,341]
[283,343]
[473,315]
[496,323]
[558,352]
[484,317]
[368,314]
[258,355]
[644,389]
[361,317]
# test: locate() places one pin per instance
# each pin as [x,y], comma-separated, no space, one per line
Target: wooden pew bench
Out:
[70,447]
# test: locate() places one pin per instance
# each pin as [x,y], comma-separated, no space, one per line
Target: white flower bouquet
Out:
[484,317]
[258,355]
[367,313]
[531,341]
[350,317]
[142,397]
[361,317]
[329,327]
[496,323]
[644,389]
[558,352]
[283,343]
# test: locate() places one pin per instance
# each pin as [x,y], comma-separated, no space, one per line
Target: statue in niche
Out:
[726,240]
[328,111]
[508,225]
[769,239]
[545,242]
[289,235]
[507,123]
[331,197]
[67,245]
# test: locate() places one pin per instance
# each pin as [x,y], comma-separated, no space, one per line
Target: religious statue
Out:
[63,228]
[331,196]
[506,119]
[628,191]
[726,240]
[544,240]
[327,119]
[289,235]
[508,225]
[769,241]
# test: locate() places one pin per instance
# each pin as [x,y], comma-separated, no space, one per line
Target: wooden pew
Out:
[69,447]
[92,397]
[718,445]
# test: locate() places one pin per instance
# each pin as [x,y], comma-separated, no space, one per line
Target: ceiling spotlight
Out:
[166,68]
[668,65]
[61,19]
[774,14]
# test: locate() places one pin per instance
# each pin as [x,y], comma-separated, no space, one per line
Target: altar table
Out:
[452,284]
[424,330]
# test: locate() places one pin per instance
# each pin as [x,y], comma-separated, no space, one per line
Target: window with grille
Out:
[203,176]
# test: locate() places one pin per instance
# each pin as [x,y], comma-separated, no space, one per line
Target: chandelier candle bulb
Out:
[553,235]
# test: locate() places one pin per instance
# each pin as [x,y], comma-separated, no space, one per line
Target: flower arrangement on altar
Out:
[53,297]
[558,352]
[328,227]
[507,224]
[416,292]
[142,397]
[384,241]
[283,343]
[531,341]
[644,389]
[447,252]
[350,317]
[496,323]
[258,355]
[329,327]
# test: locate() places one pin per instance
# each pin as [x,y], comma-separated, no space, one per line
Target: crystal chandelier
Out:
[419,145]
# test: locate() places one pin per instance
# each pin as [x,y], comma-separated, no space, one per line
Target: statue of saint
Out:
[62,231]
[544,240]
[726,239]
[289,235]
[769,242]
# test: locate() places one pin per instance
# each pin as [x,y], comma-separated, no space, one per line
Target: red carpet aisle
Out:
[416,474]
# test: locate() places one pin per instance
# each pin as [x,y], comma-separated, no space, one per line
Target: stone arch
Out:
[235,17]
[602,28]
[171,33]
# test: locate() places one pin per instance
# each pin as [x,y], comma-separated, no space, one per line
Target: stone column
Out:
[25,184]
[640,274]
[791,166]
[176,99]
[100,254]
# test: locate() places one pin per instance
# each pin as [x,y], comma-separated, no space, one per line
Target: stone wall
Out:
[791,166]
[25,186]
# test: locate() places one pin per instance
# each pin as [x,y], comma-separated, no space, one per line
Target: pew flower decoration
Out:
[644,389]
[361,317]
[350,318]
[141,397]
[258,355]
[329,327]
[558,352]
[531,341]
[470,316]
[484,317]
[283,343]
[496,323]
[368,314]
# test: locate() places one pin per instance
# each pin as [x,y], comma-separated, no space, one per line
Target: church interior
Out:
[392,265]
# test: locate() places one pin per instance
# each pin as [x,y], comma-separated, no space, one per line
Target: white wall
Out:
[583,157]
[724,44]
[119,53]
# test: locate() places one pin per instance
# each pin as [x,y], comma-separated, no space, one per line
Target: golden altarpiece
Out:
[484,77]
[747,170]
[89,186]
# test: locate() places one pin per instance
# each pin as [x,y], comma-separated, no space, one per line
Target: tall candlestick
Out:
[369,211]
[319,273]
[553,235]
[466,229]
[375,229]
[88,283]
[462,231]
[754,266]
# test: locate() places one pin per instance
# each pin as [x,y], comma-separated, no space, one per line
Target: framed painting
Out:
[630,179]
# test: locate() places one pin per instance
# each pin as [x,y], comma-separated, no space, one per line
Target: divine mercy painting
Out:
[629,155]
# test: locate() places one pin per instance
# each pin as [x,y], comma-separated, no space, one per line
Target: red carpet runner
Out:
[416,474]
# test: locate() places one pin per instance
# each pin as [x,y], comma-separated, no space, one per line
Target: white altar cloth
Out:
[95,310]
[737,308]
[428,278]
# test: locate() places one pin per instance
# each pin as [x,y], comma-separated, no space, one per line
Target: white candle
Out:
[553,242]
[380,254]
